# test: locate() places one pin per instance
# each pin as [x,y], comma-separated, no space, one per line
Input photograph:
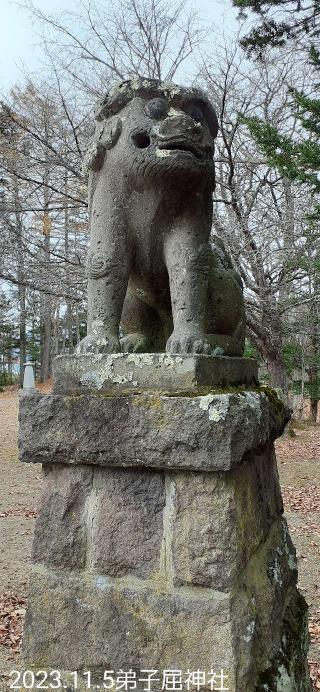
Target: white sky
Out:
[18,40]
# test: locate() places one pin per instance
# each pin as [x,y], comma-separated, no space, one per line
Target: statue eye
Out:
[195,113]
[156,108]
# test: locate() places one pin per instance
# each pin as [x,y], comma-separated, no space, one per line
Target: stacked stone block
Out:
[160,541]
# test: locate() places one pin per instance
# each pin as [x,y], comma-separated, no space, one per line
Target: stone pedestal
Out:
[160,542]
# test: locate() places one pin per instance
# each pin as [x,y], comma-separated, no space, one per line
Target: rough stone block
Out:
[193,528]
[125,625]
[126,510]
[119,372]
[204,550]
[256,632]
[262,590]
[159,542]
[60,537]
[270,632]
[218,522]
[212,432]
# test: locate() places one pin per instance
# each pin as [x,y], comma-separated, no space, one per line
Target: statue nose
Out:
[180,125]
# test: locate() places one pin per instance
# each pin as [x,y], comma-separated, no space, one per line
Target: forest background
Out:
[263,79]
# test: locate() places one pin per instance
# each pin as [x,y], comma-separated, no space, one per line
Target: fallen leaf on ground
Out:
[19,512]
[12,613]
[314,627]
[305,499]
[314,667]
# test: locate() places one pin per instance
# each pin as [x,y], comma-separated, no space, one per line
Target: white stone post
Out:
[28,378]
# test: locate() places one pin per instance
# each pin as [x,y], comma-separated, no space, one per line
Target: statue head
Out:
[159,130]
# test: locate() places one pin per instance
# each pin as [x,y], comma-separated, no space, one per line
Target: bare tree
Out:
[45,206]
[153,38]
[35,157]
[260,214]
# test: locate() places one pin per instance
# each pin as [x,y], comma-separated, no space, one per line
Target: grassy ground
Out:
[299,469]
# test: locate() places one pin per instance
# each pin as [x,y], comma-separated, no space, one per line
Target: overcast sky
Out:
[18,39]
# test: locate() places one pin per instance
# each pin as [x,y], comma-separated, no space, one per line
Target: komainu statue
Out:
[155,282]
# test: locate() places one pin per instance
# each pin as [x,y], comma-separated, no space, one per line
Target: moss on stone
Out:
[188,393]
[287,671]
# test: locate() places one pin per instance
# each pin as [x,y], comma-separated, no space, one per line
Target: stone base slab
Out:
[210,432]
[149,371]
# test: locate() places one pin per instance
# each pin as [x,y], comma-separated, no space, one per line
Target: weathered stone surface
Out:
[193,528]
[288,669]
[127,522]
[120,372]
[265,587]
[160,542]
[60,537]
[151,265]
[218,522]
[122,624]
[211,432]
[257,631]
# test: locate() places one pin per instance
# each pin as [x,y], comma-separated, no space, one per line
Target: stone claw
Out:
[93,344]
[134,343]
[187,343]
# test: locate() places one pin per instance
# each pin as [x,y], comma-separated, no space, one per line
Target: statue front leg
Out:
[187,261]
[108,269]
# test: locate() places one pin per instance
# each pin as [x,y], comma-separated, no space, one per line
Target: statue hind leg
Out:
[225,320]
[142,326]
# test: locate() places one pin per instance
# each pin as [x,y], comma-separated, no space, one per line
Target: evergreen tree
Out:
[286,24]
[280,22]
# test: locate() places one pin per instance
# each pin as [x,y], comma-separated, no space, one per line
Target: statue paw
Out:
[187,343]
[134,343]
[98,344]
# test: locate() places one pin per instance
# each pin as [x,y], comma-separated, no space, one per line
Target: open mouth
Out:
[185,147]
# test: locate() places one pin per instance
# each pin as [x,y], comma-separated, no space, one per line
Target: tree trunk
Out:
[45,339]
[68,316]
[56,327]
[313,370]
[314,410]
[9,360]
[22,331]
[45,300]
[46,320]
[268,342]
[314,386]
[277,372]
[78,337]
[21,286]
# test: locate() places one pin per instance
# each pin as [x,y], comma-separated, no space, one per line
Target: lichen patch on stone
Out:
[284,682]
[140,359]
[249,631]
[253,399]
[169,361]
[101,582]
[91,379]
[217,406]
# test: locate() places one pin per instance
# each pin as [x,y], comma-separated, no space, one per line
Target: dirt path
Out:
[20,485]
[19,489]
[299,470]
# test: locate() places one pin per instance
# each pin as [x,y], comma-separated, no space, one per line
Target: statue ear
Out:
[110,133]
[94,157]
[106,136]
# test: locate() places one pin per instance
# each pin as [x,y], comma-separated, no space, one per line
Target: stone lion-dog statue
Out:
[155,282]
